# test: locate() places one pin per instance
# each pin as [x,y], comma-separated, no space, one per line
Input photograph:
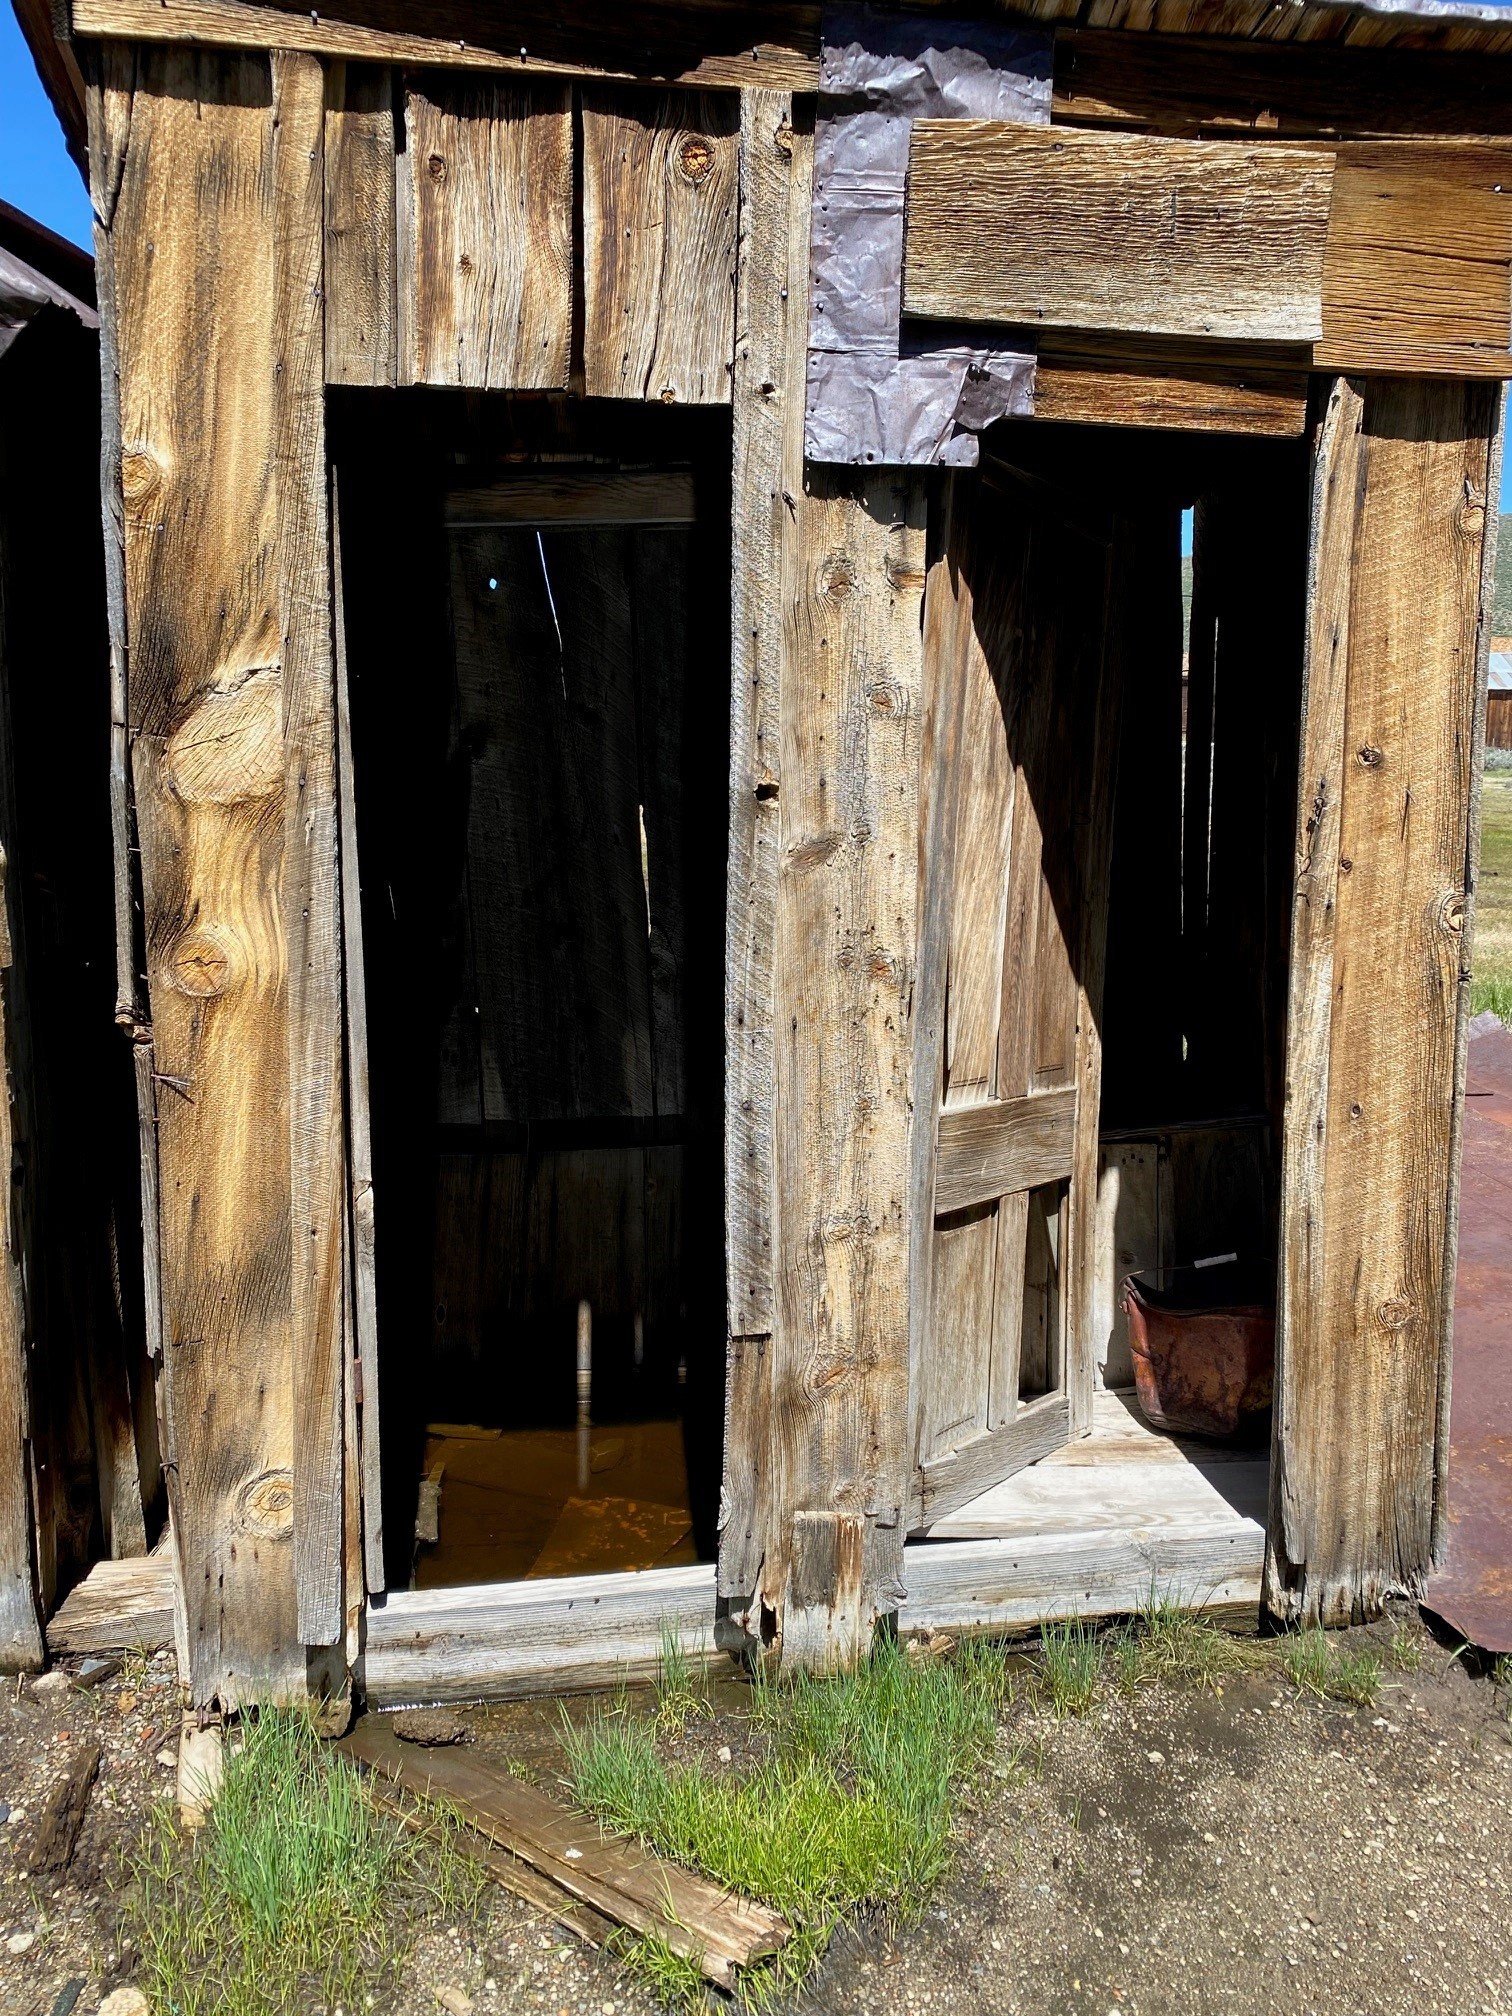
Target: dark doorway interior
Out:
[536,604]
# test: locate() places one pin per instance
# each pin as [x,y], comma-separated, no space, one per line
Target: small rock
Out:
[4,1812]
[54,1681]
[725,1753]
[1156,1756]
[15,1816]
[125,2002]
[168,1759]
[454,2001]
[125,1703]
[20,1942]
[432,1728]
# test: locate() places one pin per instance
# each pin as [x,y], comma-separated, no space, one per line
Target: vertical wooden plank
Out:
[360,249]
[488,189]
[216,248]
[775,180]
[20,1607]
[363,1266]
[311,892]
[847,900]
[660,176]
[1395,579]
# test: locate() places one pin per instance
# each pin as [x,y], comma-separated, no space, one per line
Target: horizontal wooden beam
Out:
[1043,228]
[1222,90]
[959,1475]
[1118,381]
[1003,1145]
[711,44]
[577,497]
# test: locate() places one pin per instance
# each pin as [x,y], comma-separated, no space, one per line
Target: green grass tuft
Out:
[847,1806]
[1406,1647]
[1069,1666]
[1178,1648]
[1315,1665]
[292,1893]
[682,1687]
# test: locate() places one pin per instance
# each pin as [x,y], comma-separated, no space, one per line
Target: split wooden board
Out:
[1037,227]
[717,1930]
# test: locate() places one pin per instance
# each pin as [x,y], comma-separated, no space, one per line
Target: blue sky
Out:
[38,177]
[35,171]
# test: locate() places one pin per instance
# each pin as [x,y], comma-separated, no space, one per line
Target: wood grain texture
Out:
[998,1145]
[1039,227]
[225,577]
[1395,577]
[362,1266]
[20,1595]
[775,175]
[311,885]
[846,937]
[729,46]
[361,308]
[487,193]
[1221,90]
[1116,382]
[660,176]
[1418,272]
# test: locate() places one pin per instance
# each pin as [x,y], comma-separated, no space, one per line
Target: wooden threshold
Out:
[1091,1531]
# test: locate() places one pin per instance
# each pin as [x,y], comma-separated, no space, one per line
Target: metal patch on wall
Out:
[878,392]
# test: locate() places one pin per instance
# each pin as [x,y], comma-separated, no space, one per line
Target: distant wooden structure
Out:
[978,941]
[1499,701]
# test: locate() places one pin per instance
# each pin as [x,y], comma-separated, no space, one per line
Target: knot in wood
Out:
[435,167]
[883,964]
[695,158]
[782,139]
[265,1505]
[1370,758]
[141,473]
[1452,912]
[201,964]
[1395,1313]
[837,577]
[887,697]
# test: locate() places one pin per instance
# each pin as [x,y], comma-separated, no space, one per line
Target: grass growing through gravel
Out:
[1069,1666]
[1179,1648]
[1315,1664]
[293,1895]
[848,1804]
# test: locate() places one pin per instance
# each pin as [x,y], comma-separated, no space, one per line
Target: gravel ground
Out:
[1250,1853]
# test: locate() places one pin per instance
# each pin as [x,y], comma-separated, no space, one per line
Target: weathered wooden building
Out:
[670,927]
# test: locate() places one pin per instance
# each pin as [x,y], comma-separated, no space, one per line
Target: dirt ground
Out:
[1174,1852]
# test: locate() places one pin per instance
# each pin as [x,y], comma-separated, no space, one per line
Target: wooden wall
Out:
[272,222]
[1406,474]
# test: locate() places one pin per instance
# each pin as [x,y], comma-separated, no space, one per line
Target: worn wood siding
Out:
[214,244]
[1395,652]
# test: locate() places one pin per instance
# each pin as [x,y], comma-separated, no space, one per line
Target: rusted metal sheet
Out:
[1473,1591]
[1203,1340]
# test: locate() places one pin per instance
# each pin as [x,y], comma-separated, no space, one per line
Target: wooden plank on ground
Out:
[776,48]
[1399,520]
[659,203]
[701,1920]
[1040,227]
[120,1606]
[487,230]
[360,249]
[998,1145]
[1418,272]
[775,173]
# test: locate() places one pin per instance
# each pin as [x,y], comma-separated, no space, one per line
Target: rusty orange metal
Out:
[1203,1341]
[1473,1590]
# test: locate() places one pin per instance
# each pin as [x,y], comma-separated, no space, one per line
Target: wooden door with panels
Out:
[1020,739]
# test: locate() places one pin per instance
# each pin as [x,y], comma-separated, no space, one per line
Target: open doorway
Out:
[535,601]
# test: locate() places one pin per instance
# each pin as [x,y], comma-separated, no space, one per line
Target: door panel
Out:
[1018,693]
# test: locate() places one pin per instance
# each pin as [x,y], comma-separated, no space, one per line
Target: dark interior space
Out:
[536,640]
[1200,887]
